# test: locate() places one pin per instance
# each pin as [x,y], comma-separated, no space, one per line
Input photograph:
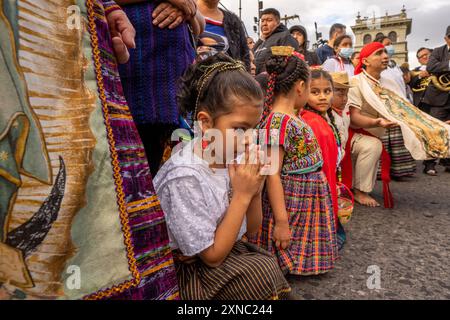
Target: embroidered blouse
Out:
[302,151]
[195,200]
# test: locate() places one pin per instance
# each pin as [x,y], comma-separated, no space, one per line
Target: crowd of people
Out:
[337,119]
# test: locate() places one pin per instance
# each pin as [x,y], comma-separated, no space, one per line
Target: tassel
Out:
[386,178]
[387,195]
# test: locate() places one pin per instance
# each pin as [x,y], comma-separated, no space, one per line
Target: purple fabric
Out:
[150,77]
[146,218]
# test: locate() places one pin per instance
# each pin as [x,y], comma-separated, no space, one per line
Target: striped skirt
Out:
[313,249]
[402,163]
[248,273]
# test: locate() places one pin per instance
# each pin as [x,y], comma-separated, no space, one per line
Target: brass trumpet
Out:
[441,82]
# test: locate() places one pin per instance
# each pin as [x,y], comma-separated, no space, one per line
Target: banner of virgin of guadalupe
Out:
[79,218]
[425,137]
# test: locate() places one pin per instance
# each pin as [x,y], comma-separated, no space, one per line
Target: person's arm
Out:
[315,59]
[254,215]
[121,30]
[319,55]
[198,24]
[436,65]
[227,231]
[415,81]
[275,190]
[359,120]
[246,182]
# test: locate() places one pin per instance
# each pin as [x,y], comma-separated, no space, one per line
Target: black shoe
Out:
[430,170]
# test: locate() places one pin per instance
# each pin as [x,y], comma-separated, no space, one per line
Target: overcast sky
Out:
[430,18]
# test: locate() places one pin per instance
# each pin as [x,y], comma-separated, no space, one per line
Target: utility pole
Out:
[258,17]
[286,18]
[260,7]
[319,40]
[240,9]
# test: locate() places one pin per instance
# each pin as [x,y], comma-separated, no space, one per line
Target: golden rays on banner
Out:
[45,58]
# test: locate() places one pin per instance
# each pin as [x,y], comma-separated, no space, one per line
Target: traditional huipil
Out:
[308,199]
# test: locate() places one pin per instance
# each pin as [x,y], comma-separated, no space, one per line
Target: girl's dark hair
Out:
[322,74]
[354,54]
[405,70]
[219,87]
[283,72]
[380,38]
[339,40]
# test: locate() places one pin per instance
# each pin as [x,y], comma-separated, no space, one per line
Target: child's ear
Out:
[300,87]
[206,121]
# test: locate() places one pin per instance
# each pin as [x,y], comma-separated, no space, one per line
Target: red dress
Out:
[330,153]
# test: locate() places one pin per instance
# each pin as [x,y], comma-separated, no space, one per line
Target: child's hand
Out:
[246,178]
[282,235]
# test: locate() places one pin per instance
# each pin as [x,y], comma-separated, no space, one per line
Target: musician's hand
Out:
[380,122]
[424,74]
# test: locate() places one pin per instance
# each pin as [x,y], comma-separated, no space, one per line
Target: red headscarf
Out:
[366,52]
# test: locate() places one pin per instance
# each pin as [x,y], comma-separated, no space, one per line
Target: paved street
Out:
[410,245]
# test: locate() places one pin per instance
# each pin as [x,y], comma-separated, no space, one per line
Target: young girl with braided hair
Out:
[318,114]
[210,206]
[298,223]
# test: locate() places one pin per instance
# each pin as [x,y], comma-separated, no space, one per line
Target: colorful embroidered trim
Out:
[115,163]
[110,6]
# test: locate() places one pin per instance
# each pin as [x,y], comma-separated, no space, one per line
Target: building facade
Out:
[397,27]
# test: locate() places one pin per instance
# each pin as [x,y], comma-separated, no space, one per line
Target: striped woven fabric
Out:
[313,249]
[247,274]
[402,163]
[150,77]
[110,6]
[146,219]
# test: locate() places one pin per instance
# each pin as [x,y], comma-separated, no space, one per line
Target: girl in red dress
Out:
[318,115]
